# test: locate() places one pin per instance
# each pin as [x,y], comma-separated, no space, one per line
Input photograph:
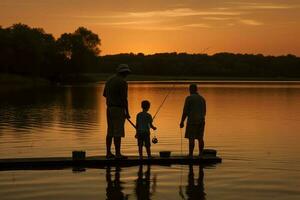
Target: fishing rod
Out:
[162,103]
[172,88]
[134,126]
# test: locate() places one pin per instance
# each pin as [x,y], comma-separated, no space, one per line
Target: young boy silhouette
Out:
[143,124]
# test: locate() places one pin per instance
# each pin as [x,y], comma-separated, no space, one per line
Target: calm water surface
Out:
[254,127]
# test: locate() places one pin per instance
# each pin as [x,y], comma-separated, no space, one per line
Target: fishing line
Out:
[181,142]
[181,167]
[181,194]
[181,171]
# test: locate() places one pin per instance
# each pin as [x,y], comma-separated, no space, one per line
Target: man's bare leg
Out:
[201,146]
[117,142]
[141,151]
[108,146]
[191,147]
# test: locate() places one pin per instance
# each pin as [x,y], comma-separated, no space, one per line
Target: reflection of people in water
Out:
[142,186]
[194,191]
[114,187]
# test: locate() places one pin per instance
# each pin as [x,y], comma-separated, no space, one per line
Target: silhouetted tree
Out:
[25,50]
[80,48]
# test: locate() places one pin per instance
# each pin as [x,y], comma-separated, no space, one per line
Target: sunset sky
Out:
[193,26]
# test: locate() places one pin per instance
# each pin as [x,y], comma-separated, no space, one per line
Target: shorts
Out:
[195,131]
[143,139]
[115,121]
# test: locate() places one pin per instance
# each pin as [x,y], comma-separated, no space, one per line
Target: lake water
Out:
[255,127]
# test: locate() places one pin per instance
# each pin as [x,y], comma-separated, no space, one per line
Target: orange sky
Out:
[193,26]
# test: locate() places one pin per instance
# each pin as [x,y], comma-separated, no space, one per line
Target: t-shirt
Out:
[143,121]
[115,91]
[195,108]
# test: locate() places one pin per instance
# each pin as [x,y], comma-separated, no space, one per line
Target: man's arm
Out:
[136,126]
[105,91]
[184,113]
[204,107]
[126,104]
[124,98]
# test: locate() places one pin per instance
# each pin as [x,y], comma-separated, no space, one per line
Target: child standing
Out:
[143,124]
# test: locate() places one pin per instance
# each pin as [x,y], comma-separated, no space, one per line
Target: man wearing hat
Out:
[115,92]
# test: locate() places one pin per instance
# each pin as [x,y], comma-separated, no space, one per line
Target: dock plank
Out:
[99,161]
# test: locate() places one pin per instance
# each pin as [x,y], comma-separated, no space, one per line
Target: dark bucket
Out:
[209,152]
[78,155]
[165,154]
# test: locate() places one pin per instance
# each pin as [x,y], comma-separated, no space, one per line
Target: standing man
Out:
[194,110]
[115,92]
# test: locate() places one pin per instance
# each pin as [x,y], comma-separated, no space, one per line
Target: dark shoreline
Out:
[216,82]
[17,80]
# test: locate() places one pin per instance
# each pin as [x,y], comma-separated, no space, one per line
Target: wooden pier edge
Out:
[99,162]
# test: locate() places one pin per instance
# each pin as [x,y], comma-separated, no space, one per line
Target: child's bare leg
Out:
[148,151]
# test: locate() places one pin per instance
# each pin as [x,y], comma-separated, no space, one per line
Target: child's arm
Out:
[152,126]
[151,123]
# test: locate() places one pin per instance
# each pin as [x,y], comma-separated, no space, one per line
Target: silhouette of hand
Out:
[127,116]
[181,124]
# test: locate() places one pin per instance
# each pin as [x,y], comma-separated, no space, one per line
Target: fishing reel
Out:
[154,140]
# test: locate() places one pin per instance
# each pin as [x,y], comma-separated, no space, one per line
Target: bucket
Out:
[78,155]
[165,154]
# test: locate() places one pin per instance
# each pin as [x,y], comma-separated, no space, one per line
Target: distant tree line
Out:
[32,52]
[201,65]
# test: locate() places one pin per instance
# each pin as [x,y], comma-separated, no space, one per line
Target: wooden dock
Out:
[101,161]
